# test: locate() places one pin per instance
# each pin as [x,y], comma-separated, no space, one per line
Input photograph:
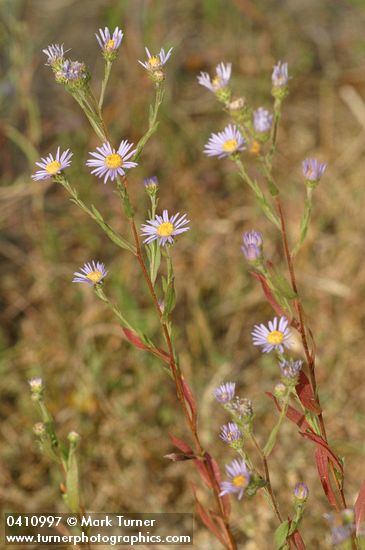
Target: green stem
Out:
[107,69]
[304,223]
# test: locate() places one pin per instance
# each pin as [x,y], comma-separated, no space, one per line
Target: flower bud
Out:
[280,390]
[73,437]
[313,171]
[39,429]
[280,79]
[301,492]
[252,245]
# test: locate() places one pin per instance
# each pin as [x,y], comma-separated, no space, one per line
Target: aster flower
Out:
[54,53]
[277,336]
[109,43]
[155,62]
[262,120]
[164,228]
[91,273]
[239,476]
[108,163]
[225,143]
[36,384]
[219,81]
[301,492]
[290,369]
[252,245]
[51,166]
[342,525]
[225,392]
[242,408]
[280,75]
[230,433]
[313,170]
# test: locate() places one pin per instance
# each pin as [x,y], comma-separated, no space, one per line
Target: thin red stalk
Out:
[178,384]
[309,356]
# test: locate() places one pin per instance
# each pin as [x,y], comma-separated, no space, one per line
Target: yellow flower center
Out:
[229,436]
[154,61]
[275,337]
[165,229]
[230,145]
[110,44]
[53,167]
[113,161]
[94,276]
[240,481]
[216,80]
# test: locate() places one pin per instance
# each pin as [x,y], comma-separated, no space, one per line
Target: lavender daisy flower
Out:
[73,73]
[225,392]
[262,120]
[51,166]
[219,81]
[54,53]
[107,42]
[277,336]
[92,273]
[313,170]
[230,433]
[290,369]
[280,75]
[225,143]
[239,476]
[109,163]
[155,62]
[164,228]
[252,245]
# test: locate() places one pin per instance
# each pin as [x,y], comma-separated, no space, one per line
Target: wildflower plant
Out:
[250,132]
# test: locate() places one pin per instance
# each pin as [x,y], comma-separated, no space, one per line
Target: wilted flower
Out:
[239,476]
[301,492]
[275,337]
[219,81]
[109,44]
[73,73]
[226,143]
[252,245]
[164,228]
[51,166]
[110,163]
[290,369]
[155,62]
[54,53]
[280,390]
[230,433]
[39,429]
[262,120]
[313,170]
[225,392]
[242,408]
[280,75]
[92,273]
[73,437]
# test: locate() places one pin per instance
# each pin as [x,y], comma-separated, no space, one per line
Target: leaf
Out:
[207,518]
[218,477]
[189,398]
[201,467]
[329,453]
[299,541]
[306,395]
[292,414]
[282,284]
[281,534]
[137,341]
[269,295]
[360,507]
[322,467]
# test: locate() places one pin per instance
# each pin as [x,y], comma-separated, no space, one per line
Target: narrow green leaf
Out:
[281,534]
[72,481]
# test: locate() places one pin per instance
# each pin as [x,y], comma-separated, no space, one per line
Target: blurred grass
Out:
[116,397]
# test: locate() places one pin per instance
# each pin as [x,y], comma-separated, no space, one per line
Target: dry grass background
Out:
[116,397]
